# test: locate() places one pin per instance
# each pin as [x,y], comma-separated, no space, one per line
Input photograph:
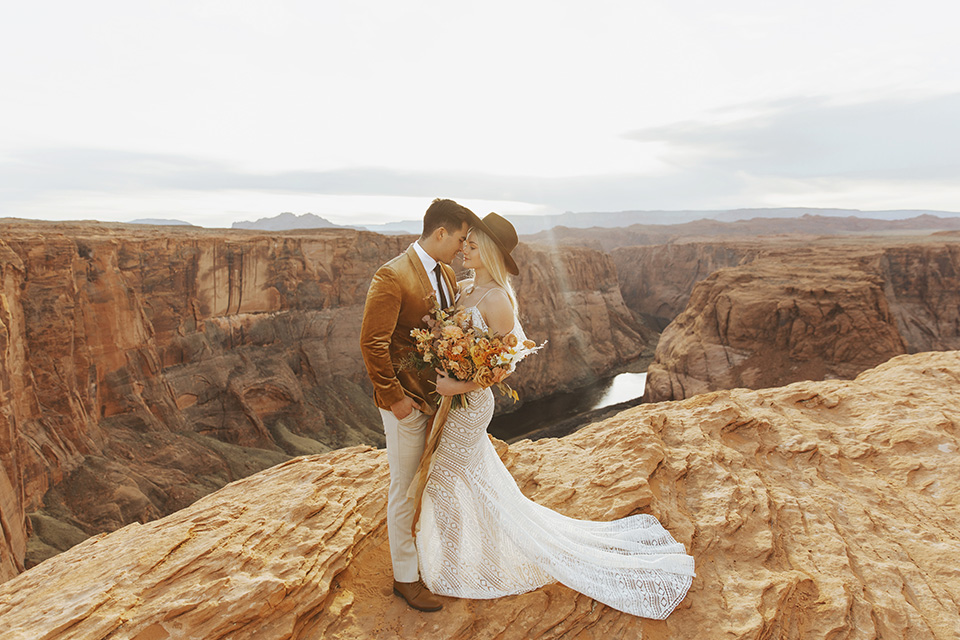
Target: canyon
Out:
[188,441]
[815,510]
[763,312]
[145,367]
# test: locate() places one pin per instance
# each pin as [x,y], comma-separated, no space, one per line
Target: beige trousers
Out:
[405,439]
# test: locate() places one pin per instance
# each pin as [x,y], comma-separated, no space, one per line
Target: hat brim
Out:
[508,260]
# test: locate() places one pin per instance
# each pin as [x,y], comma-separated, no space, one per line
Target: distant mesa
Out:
[655,226]
[287,221]
[162,221]
[405,227]
[291,222]
[537,224]
[811,222]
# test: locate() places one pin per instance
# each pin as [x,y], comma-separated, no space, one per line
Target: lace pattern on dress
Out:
[480,537]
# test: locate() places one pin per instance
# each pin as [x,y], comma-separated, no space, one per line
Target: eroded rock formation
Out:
[16,398]
[816,510]
[791,312]
[770,323]
[143,368]
[922,285]
[656,281]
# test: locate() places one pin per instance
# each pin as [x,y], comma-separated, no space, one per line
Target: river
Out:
[539,415]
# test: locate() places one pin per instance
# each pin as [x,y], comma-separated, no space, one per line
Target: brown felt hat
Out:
[503,234]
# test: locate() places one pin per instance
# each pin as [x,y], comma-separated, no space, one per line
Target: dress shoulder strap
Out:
[486,294]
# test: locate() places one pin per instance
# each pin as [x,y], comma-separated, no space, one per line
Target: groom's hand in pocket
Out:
[403,408]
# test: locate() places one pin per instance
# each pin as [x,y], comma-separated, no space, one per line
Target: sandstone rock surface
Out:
[816,510]
[791,312]
[144,367]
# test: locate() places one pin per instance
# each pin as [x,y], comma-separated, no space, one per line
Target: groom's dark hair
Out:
[447,214]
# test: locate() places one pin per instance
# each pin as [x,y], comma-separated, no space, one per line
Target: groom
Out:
[397,301]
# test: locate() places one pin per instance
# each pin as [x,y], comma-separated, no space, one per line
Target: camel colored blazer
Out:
[397,300]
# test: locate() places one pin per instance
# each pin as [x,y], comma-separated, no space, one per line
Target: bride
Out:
[480,537]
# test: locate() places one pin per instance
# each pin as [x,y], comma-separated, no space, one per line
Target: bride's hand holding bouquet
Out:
[467,357]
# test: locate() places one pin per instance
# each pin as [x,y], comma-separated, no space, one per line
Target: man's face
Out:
[451,243]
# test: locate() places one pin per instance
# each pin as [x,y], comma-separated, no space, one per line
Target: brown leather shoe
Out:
[417,595]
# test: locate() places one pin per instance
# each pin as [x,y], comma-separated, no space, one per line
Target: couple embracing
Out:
[477,535]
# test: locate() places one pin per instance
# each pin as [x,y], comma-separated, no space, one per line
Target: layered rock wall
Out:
[817,510]
[814,312]
[16,398]
[153,369]
[144,368]
[922,285]
[770,323]
[656,280]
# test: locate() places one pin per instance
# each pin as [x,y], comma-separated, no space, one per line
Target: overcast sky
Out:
[213,111]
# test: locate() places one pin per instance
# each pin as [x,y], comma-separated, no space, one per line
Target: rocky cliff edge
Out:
[816,510]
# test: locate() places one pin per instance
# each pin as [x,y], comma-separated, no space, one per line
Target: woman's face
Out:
[471,252]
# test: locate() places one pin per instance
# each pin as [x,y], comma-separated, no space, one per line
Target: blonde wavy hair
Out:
[493,261]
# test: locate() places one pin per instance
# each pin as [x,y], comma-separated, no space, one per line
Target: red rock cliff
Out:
[656,280]
[16,398]
[829,309]
[922,284]
[146,367]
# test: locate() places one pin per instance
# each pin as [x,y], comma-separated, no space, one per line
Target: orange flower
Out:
[451,342]
[484,377]
[453,331]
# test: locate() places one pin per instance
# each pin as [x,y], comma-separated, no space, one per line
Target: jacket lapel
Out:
[422,277]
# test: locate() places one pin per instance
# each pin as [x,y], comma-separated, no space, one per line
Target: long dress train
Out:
[480,537]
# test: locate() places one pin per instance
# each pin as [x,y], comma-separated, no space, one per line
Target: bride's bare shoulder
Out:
[498,311]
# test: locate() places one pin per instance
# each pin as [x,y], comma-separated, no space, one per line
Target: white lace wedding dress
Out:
[480,537]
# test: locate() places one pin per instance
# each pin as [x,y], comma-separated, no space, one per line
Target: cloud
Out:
[811,138]
[799,152]
[97,170]
[43,170]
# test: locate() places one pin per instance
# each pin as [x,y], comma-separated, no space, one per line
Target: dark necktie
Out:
[443,296]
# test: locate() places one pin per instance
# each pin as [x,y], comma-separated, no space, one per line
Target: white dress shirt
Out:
[429,264]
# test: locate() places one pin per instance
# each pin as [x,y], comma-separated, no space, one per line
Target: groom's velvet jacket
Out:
[397,301]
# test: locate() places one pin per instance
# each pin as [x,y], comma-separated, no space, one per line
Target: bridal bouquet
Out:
[451,342]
